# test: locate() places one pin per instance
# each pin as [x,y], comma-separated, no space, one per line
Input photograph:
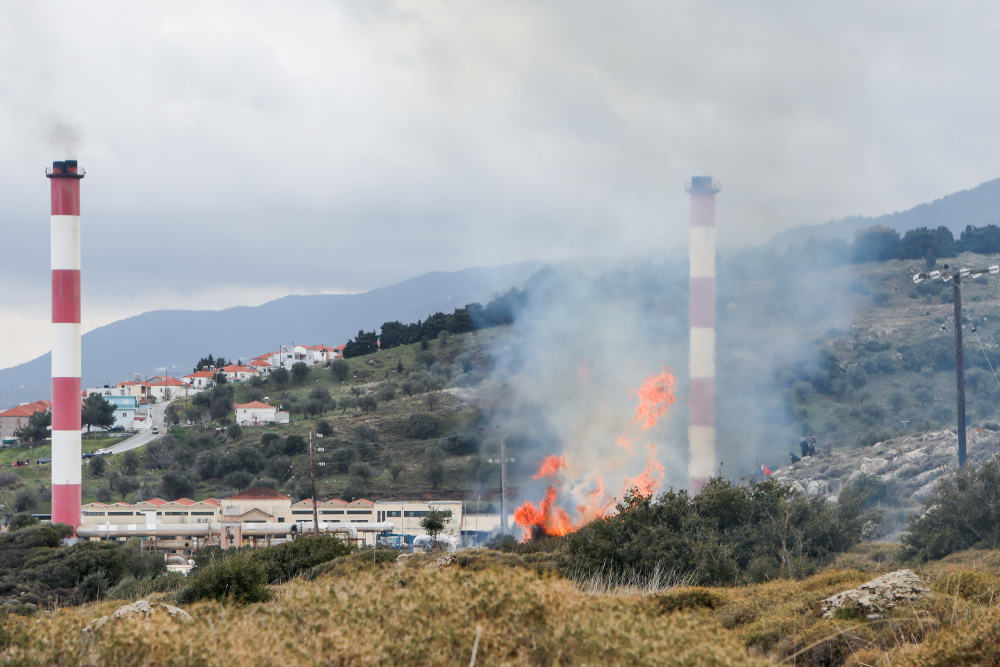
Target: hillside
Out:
[976,206]
[176,339]
[483,607]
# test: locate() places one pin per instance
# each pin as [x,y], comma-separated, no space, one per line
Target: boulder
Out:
[878,596]
[141,611]
[872,466]
[930,475]
[815,487]
[925,491]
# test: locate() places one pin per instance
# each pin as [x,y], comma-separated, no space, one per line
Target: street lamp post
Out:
[955,276]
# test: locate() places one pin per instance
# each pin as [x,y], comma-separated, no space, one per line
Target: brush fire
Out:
[567,485]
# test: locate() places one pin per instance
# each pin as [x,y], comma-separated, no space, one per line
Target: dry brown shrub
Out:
[409,615]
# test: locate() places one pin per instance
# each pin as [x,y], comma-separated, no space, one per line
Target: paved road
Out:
[143,437]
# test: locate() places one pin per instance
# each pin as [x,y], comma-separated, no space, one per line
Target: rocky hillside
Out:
[905,470]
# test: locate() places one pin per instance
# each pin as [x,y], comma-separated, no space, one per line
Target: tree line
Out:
[471,317]
[879,243]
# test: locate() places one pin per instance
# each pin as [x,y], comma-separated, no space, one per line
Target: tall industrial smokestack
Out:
[701,358]
[65,181]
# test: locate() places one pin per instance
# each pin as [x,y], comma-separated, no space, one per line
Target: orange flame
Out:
[656,394]
[545,519]
[551,465]
[648,481]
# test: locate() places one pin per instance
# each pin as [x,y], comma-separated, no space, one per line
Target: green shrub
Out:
[22,520]
[726,534]
[962,513]
[280,562]
[422,426]
[691,597]
[240,578]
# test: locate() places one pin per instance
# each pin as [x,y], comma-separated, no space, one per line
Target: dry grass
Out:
[427,611]
[621,585]
[417,614]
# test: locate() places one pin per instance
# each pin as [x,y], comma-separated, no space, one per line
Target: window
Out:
[359,512]
[120,514]
[304,512]
[93,514]
[414,514]
[394,513]
[177,513]
[202,513]
[332,512]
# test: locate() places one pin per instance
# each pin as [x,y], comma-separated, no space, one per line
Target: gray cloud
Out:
[343,146]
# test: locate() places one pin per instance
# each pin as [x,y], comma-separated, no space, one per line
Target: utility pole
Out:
[955,276]
[956,282]
[503,483]
[312,472]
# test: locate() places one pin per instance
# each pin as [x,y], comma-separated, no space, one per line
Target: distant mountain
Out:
[979,206]
[176,339]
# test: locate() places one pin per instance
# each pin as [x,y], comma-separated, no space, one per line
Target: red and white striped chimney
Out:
[701,357]
[66,354]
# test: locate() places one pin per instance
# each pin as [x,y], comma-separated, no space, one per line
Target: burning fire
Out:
[655,396]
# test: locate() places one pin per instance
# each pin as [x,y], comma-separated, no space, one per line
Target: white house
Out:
[238,373]
[165,389]
[200,379]
[256,412]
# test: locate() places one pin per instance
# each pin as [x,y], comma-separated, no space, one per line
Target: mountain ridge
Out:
[175,339]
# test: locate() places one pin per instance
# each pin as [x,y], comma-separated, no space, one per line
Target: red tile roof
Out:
[260,362]
[260,493]
[187,502]
[211,501]
[361,502]
[238,369]
[254,405]
[27,409]
[156,501]
[201,374]
[168,382]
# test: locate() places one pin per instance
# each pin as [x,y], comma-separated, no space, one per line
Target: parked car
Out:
[156,429]
[87,455]
[117,428]
[102,452]
[41,461]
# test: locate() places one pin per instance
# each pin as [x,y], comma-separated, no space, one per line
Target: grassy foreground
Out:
[427,611]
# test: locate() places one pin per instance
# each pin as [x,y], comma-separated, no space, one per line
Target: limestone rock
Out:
[925,491]
[817,487]
[931,475]
[140,610]
[872,466]
[878,596]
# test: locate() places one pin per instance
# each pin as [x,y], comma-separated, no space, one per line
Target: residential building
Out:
[168,388]
[255,412]
[15,418]
[200,379]
[236,373]
[126,409]
[138,389]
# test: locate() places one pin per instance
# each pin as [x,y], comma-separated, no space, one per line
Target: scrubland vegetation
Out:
[732,576]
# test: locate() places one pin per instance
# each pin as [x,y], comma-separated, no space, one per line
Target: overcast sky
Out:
[240,151]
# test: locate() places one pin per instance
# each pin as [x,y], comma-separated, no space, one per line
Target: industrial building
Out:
[261,517]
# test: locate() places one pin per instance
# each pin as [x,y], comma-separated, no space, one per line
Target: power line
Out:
[955,277]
